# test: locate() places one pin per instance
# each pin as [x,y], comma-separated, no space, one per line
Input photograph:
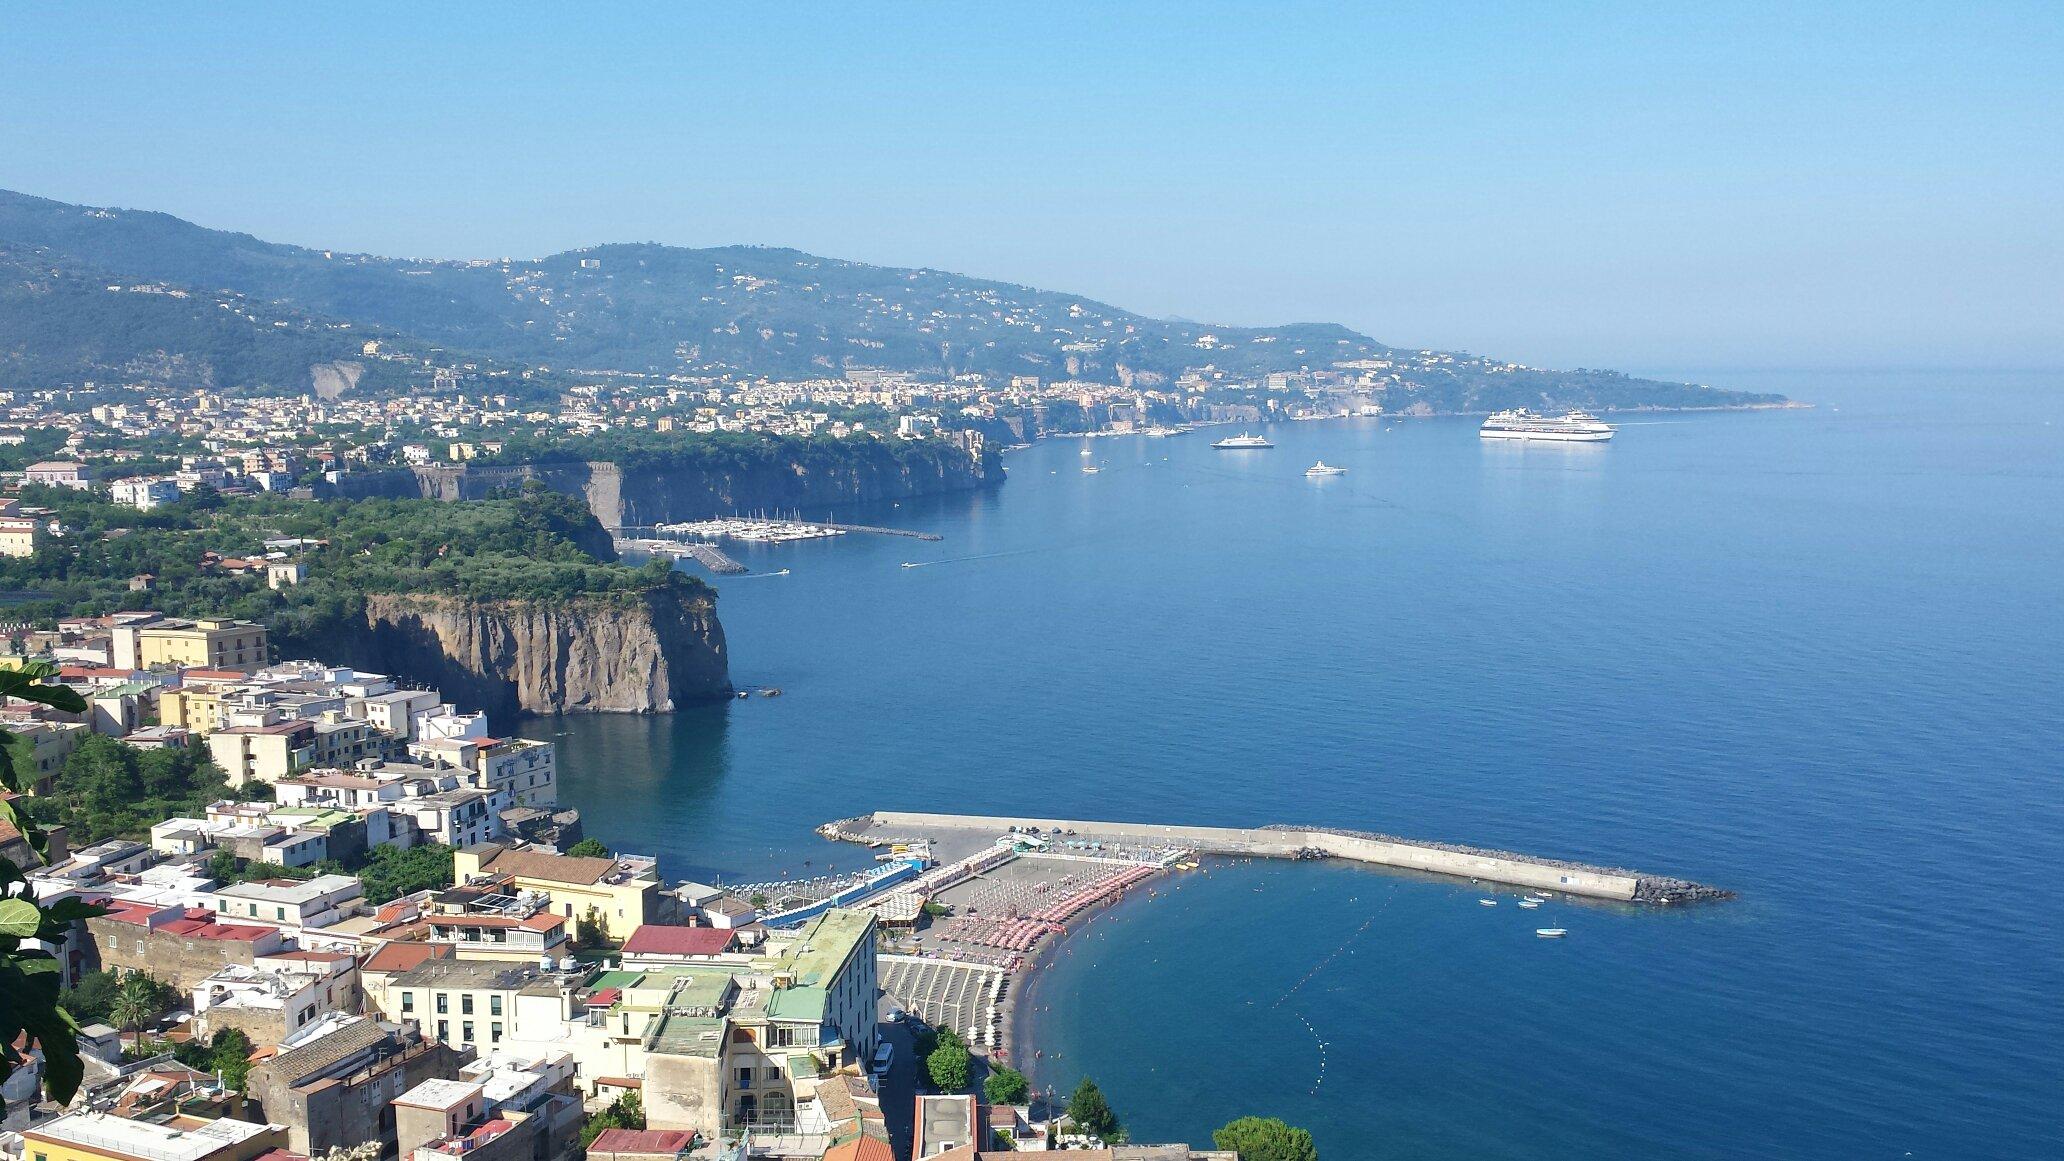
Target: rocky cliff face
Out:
[635,496]
[645,653]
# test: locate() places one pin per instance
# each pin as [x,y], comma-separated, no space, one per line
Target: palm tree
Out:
[135,1002]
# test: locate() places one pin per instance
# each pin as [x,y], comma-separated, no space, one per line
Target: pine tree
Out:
[1092,1113]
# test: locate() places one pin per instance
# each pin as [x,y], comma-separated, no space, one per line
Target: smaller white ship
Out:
[1090,469]
[1322,468]
[1241,442]
[1551,932]
[1486,902]
[1529,904]
[1085,451]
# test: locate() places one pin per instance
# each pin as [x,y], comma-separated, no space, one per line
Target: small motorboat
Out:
[1085,451]
[1090,469]
[1551,932]
[1486,902]
[1530,904]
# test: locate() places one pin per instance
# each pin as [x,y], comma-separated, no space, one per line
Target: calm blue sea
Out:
[1813,656]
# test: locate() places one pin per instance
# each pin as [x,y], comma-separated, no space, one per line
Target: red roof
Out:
[665,1141]
[660,939]
[131,911]
[401,957]
[200,924]
[605,998]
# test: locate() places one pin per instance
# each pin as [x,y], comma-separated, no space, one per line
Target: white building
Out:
[145,492]
[290,903]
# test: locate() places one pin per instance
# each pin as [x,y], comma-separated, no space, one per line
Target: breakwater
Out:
[1296,842]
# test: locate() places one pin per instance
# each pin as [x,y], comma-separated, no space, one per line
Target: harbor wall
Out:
[1519,873]
[1273,842]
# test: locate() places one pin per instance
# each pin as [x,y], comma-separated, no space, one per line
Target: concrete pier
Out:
[1292,842]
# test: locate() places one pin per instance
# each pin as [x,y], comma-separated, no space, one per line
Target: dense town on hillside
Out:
[274,442]
[340,917]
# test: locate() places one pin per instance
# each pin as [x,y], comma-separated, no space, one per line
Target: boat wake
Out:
[966,559]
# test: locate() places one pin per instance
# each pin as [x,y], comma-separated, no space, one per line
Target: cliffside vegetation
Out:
[111,790]
[205,557]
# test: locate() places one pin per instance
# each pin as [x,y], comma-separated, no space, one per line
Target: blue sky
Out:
[1631,185]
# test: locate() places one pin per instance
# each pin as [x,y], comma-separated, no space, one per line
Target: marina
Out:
[705,554]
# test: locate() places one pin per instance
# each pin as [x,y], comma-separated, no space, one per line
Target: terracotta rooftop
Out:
[400,957]
[666,1142]
[661,939]
[550,868]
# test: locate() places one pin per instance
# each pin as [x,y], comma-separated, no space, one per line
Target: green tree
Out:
[1092,1113]
[229,1053]
[389,874]
[589,932]
[1266,1139]
[136,1002]
[588,848]
[627,1113]
[92,999]
[1005,1086]
[29,975]
[950,1062]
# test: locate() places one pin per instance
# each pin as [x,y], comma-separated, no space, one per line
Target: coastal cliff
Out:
[695,482]
[610,653]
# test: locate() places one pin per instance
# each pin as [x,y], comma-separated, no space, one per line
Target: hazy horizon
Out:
[1859,186]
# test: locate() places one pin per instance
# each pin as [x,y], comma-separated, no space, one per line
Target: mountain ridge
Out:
[754,311]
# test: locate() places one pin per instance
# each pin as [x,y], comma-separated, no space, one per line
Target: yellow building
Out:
[17,536]
[164,643]
[195,708]
[106,1137]
[621,892]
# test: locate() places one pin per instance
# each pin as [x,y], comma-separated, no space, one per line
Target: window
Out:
[280,913]
[466,1031]
[494,1005]
[466,1006]
[444,1030]
[443,1003]
[494,1032]
[408,1003]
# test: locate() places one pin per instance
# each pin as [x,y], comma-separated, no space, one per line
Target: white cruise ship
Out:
[1573,427]
[1241,441]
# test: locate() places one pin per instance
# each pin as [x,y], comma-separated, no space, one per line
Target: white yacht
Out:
[1241,442]
[1571,427]
[1322,468]
[1551,932]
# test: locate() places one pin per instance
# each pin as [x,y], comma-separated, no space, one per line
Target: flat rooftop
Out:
[180,1139]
